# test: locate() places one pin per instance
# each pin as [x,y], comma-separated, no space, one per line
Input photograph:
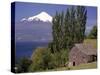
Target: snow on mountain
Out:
[43,16]
[24,19]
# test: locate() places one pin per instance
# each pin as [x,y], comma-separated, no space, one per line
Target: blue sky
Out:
[31,9]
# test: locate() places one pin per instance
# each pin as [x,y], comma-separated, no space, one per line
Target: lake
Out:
[25,49]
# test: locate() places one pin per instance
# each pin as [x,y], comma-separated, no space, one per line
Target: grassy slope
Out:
[91,41]
[82,66]
[85,66]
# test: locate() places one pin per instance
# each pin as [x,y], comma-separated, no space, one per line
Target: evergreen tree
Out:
[73,23]
[56,30]
[61,36]
[68,28]
[81,17]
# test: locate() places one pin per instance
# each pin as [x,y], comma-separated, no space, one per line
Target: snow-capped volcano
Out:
[43,16]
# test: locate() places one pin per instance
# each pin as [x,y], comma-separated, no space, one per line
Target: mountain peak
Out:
[44,13]
[42,16]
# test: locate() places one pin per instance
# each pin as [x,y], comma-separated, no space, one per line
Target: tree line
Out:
[68,28]
[93,33]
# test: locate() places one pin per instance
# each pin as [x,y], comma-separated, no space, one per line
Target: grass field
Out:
[92,65]
[91,41]
[85,66]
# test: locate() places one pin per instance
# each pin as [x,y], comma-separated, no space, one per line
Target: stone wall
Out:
[76,57]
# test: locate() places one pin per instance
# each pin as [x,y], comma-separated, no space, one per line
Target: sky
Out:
[30,9]
[25,10]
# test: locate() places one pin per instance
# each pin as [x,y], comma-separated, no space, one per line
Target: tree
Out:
[18,68]
[81,18]
[93,33]
[23,65]
[41,59]
[68,28]
[57,32]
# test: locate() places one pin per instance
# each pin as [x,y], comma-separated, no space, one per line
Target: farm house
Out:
[82,53]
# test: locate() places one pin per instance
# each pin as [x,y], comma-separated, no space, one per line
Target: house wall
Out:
[92,58]
[76,57]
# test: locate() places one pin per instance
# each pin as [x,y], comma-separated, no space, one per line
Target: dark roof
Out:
[87,49]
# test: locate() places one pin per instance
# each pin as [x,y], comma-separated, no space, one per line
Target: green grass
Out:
[79,67]
[61,69]
[85,66]
[91,41]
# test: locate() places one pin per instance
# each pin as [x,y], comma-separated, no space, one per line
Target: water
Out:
[26,49]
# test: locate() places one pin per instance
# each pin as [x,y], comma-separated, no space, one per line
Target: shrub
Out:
[18,68]
[93,33]
[40,59]
[23,65]
[60,58]
[44,59]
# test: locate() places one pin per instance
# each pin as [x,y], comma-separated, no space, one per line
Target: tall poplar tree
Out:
[81,17]
[68,28]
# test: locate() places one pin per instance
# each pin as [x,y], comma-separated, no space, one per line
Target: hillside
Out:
[92,65]
[92,42]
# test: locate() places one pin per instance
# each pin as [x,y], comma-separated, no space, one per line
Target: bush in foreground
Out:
[40,60]
[23,65]
[44,59]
